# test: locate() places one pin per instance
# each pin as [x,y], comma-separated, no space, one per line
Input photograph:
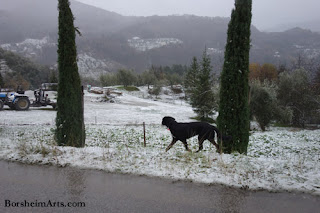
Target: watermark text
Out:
[42,204]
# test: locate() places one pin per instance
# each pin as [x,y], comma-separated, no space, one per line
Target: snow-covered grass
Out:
[278,159]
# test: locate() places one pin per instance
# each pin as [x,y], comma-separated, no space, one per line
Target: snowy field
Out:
[280,159]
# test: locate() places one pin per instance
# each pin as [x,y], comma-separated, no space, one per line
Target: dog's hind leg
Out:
[174,140]
[215,144]
[200,141]
[186,145]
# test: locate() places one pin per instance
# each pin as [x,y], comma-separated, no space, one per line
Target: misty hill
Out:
[22,19]
[313,25]
[111,41]
[20,70]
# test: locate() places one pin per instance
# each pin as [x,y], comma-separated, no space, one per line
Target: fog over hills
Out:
[313,25]
[111,41]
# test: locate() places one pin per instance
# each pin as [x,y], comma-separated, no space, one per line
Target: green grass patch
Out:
[128,88]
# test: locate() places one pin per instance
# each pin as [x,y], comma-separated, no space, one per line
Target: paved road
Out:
[40,186]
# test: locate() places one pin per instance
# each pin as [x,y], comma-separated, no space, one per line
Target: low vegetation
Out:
[128,88]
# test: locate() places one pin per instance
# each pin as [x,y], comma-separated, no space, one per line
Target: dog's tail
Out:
[217,132]
[222,137]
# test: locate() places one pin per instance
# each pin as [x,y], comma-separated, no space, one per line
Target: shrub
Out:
[129,88]
[261,105]
[155,90]
[295,92]
[109,80]
[283,115]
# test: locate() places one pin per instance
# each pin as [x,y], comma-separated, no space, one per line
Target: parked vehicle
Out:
[15,100]
[19,101]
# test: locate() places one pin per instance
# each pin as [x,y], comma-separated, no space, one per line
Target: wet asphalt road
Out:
[104,192]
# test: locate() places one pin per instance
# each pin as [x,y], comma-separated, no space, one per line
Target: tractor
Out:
[19,101]
[15,100]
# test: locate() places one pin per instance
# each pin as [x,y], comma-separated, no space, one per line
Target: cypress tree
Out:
[69,121]
[233,117]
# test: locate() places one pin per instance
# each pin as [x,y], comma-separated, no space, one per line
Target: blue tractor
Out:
[15,100]
[19,101]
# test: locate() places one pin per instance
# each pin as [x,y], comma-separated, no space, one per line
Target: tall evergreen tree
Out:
[233,117]
[191,76]
[69,122]
[202,98]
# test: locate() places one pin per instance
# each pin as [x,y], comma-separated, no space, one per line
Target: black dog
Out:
[183,131]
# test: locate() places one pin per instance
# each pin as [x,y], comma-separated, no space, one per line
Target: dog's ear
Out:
[170,118]
[167,120]
[163,121]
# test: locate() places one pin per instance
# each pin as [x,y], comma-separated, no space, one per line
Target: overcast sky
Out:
[266,13]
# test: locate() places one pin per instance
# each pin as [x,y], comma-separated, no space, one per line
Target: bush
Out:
[129,88]
[155,90]
[176,90]
[109,80]
[295,92]
[283,115]
[261,105]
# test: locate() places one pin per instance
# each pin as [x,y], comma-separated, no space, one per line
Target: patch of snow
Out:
[213,51]
[151,43]
[38,43]
[31,48]
[94,68]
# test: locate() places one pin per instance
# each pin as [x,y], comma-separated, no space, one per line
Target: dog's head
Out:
[167,121]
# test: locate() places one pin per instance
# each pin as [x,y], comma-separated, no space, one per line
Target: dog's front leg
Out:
[174,140]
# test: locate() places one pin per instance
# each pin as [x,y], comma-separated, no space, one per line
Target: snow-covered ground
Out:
[278,159]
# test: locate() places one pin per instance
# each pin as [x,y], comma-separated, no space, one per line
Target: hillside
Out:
[22,71]
[111,41]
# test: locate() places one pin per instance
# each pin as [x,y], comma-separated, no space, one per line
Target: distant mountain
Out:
[313,25]
[111,41]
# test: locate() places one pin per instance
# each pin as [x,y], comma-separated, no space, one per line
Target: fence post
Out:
[144,134]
